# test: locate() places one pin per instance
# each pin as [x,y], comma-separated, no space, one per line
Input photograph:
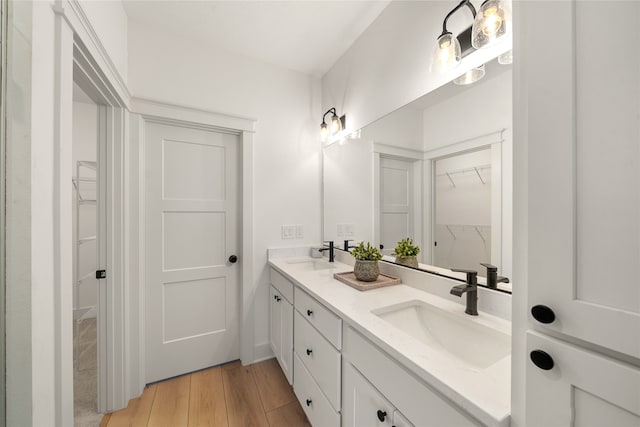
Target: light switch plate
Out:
[288,232]
[349,230]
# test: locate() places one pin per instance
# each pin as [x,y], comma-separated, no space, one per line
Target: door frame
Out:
[150,111]
[111,227]
[407,155]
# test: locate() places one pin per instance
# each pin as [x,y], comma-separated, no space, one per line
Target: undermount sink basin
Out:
[470,342]
[313,264]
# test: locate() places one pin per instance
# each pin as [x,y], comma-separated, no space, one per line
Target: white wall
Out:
[348,191]
[389,65]
[483,108]
[286,145]
[85,140]
[402,128]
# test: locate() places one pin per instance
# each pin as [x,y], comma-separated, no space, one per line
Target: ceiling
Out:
[305,36]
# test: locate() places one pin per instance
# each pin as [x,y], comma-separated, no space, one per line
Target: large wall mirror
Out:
[438,171]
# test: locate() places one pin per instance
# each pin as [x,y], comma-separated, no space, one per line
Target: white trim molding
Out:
[85,34]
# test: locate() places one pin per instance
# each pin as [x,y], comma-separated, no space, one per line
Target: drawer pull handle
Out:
[543,314]
[541,359]
[381,415]
[308,402]
[309,351]
[309,312]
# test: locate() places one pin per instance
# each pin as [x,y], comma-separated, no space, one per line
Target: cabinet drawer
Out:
[319,357]
[416,401]
[329,325]
[282,284]
[313,402]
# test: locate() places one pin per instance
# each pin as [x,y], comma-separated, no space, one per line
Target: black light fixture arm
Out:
[330,110]
[454,10]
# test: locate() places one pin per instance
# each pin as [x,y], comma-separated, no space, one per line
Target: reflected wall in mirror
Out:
[395,181]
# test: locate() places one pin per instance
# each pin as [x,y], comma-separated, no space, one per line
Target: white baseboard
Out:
[262,352]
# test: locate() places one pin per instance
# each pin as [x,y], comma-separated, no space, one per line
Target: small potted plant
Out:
[406,253]
[367,257]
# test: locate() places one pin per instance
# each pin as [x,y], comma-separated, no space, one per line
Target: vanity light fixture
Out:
[490,24]
[337,124]
[471,76]
[448,52]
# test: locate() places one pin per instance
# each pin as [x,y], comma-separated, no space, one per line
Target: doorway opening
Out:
[462,210]
[85,258]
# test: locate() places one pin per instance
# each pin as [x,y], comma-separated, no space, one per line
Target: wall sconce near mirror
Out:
[335,126]
[490,25]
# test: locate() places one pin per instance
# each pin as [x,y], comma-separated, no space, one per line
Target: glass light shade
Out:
[446,55]
[506,58]
[324,132]
[492,21]
[336,125]
[471,76]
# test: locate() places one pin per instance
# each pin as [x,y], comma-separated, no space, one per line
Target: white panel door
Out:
[286,350]
[583,388]
[584,171]
[192,288]
[396,202]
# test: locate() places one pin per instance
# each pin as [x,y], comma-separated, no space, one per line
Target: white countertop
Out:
[484,394]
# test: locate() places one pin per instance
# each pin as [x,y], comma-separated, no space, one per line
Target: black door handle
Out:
[308,402]
[309,351]
[309,312]
[541,359]
[543,314]
[233,259]
[381,415]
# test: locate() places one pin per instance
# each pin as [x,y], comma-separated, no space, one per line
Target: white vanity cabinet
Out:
[317,344]
[583,215]
[373,381]
[281,322]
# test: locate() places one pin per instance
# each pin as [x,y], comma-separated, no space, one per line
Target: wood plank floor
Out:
[229,395]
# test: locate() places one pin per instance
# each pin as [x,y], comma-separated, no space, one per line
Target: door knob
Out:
[382,415]
[309,312]
[233,259]
[543,314]
[541,359]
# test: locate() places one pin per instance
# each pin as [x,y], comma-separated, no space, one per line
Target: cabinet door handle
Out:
[278,299]
[541,359]
[309,351]
[381,415]
[309,312]
[543,314]
[233,259]
[275,297]
[308,402]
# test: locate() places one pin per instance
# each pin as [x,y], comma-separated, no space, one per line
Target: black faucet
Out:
[330,249]
[347,246]
[470,288]
[492,276]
